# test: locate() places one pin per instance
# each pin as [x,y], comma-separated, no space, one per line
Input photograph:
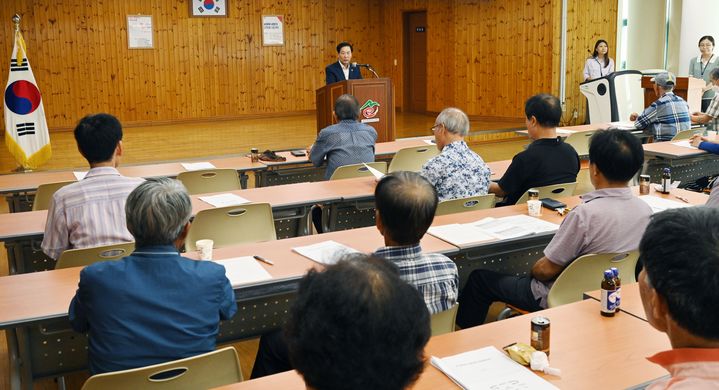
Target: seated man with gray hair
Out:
[457,172]
[667,115]
[153,306]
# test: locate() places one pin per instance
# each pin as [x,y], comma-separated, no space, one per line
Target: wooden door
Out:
[415,61]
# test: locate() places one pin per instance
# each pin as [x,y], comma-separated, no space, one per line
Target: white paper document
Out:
[224,200]
[243,270]
[684,144]
[563,131]
[79,175]
[325,252]
[488,368]
[491,229]
[197,166]
[660,204]
[377,174]
[624,125]
[430,142]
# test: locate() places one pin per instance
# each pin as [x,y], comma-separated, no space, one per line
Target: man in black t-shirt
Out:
[547,160]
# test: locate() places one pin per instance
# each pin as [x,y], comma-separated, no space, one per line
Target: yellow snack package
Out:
[520,352]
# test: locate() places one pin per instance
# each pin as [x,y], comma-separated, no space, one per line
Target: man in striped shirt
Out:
[91,212]
[667,115]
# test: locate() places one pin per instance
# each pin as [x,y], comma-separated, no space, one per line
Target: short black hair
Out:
[714,74]
[680,251]
[357,325]
[707,37]
[343,44]
[406,203]
[618,154]
[97,137]
[347,107]
[546,108]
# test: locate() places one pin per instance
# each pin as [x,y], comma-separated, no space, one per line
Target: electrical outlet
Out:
[575,114]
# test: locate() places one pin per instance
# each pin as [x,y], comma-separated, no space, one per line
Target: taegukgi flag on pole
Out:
[26,134]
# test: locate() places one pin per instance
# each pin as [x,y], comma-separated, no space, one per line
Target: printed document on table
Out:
[377,174]
[460,234]
[565,132]
[624,125]
[430,142]
[488,368]
[325,252]
[79,175]
[660,204]
[224,200]
[534,225]
[243,270]
[684,144]
[197,166]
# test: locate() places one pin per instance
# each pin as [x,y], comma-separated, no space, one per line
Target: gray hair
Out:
[454,120]
[157,210]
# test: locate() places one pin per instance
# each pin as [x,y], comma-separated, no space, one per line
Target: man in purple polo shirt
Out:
[609,219]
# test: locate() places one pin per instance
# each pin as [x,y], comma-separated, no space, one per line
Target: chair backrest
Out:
[580,141]
[357,170]
[86,256]
[204,371]
[443,322]
[252,222]
[210,180]
[465,204]
[412,159]
[552,191]
[586,273]
[44,193]
[684,134]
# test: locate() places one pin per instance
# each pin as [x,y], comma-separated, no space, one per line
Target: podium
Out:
[376,99]
[688,88]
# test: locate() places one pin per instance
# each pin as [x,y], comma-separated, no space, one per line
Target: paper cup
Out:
[205,249]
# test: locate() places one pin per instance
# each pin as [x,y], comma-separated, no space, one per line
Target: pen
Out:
[262,259]
[683,199]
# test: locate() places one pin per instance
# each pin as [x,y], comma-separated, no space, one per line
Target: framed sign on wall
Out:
[139,32]
[273,30]
[208,8]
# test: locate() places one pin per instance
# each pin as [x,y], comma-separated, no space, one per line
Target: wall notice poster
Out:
[273,30]
[139,32]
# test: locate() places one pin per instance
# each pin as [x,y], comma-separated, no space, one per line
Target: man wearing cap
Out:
[667,115]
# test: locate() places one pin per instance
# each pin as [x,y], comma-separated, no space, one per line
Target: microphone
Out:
[368,66]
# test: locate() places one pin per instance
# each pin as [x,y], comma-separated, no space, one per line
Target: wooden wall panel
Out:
[485,56]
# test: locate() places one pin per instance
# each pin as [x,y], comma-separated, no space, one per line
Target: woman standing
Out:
[599,65]
[701,67]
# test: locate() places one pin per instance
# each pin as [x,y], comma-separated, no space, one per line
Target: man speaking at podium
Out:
[343,69]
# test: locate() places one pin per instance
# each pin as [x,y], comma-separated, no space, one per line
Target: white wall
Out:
[699,18]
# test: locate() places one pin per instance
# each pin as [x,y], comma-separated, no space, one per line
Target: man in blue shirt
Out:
[347,142]
[153,306]
[667,115]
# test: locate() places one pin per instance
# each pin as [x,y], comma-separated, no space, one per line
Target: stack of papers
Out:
[660,204]
[243,270]
[624,125]
[197,166]
[488,368]
[565,132]
[684,144]
[326,252]
[224,200]
[491,229]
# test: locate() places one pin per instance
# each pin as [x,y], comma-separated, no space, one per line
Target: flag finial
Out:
[16,20]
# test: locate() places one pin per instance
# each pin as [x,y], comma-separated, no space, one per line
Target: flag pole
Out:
[16,21]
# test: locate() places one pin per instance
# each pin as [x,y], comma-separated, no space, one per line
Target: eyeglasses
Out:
[435,127]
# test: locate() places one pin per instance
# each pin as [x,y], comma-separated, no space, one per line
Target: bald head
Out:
[405,203]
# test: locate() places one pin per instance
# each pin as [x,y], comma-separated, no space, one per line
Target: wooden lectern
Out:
[376,99]
[688,88]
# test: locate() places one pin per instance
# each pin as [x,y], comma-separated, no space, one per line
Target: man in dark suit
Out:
[342,69]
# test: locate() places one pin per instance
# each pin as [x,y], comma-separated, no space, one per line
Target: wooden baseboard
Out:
[130,124]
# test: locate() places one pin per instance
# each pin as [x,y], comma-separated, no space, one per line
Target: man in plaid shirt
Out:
[667,115]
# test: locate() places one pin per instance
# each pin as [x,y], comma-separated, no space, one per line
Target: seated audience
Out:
[347,142]
[711,116]
[357,325]
[679,286]
[668,114]
[154,305]
[547,160]
[405,206]
[609,219]
[91,212]
[457,172]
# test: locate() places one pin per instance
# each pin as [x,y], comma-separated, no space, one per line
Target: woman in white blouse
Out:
[599,65]
[701,67]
